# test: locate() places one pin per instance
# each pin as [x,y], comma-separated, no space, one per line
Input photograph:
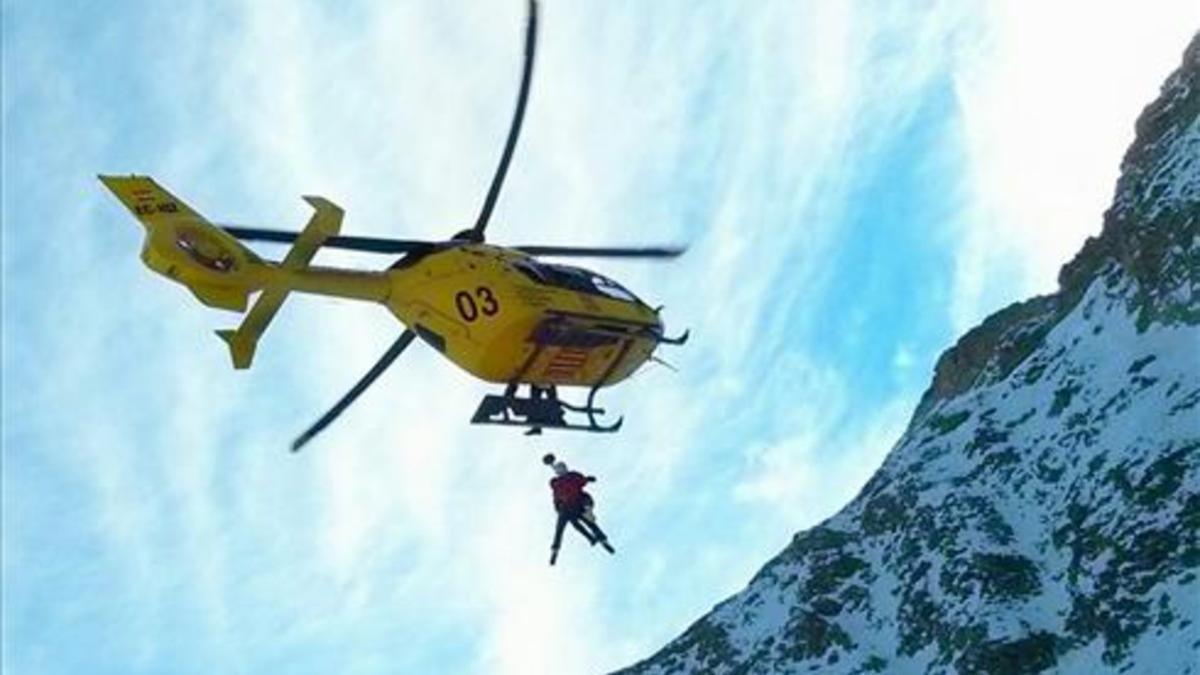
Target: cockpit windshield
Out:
[574,278]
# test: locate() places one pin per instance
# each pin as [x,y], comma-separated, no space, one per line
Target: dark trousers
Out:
[589,529]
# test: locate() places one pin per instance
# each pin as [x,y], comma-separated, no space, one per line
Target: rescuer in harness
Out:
[574,506]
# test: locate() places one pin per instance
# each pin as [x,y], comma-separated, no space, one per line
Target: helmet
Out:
[560,468]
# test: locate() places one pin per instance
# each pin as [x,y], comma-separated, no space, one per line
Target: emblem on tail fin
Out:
[184,247]
[205,250]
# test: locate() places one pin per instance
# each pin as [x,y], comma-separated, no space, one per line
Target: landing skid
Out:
[542,409]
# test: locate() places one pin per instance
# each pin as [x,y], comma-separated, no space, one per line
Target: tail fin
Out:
[183,246]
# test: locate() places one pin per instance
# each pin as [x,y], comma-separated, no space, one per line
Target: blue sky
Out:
[858,182]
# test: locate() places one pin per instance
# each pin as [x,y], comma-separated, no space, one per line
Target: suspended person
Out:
[573,505]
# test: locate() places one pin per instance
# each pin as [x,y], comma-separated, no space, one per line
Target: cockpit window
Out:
[573,278]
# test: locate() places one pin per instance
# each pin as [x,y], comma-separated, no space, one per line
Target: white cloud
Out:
[1049,96]
[397,112]
[413,157]
[903,358]
[816,469]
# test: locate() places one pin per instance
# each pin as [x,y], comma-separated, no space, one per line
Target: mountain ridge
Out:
[1041,509]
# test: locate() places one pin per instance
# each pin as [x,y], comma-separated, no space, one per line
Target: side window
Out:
[530,270]
[567,277]
[612,289]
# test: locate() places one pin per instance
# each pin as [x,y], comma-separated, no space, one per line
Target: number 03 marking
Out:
[469,309]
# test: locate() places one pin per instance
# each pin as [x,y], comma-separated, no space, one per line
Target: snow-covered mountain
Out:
[1042,511]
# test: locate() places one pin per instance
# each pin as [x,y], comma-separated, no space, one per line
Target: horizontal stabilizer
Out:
[240,348]
[325,223]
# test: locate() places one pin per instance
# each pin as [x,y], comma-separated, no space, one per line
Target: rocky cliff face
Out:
[1042,512]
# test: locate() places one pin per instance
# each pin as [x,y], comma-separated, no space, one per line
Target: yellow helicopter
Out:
[499,312]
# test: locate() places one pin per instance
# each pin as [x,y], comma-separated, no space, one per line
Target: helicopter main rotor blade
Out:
[376,370]
[367,244]
[604,252]
[476,233]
